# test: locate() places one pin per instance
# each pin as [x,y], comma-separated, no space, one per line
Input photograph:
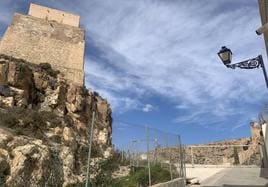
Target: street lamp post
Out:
[225,55]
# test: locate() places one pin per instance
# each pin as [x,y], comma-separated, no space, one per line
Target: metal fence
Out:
[223,156]
[149,148]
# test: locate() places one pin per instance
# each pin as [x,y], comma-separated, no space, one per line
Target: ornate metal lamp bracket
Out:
[247,64]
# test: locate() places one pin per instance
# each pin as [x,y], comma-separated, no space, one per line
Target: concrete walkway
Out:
[251,177]
[202,172]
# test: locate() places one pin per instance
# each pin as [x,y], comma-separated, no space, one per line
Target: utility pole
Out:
[148,153]
[89,149]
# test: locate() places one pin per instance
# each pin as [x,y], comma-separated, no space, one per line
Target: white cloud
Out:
[169,48]
[148,108]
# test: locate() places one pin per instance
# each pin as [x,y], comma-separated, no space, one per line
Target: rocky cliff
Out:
[44,126]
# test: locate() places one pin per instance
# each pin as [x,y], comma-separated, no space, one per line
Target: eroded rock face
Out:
[44,126]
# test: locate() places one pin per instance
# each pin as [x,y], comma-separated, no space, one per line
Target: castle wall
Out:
[53,14]
[41,41]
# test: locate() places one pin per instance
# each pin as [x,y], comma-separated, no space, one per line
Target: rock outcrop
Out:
[45,124]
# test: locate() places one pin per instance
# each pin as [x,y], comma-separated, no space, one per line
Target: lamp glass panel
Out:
[225,56]
[230,57]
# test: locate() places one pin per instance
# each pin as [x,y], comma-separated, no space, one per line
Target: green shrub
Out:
[140,176]
[107,167]
[28,121]
[76,185]
[45,66]
[48,69]
[105,170]
[8,119]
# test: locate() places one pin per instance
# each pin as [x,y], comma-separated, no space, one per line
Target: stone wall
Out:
[53,15]
[43,41]
[244,151]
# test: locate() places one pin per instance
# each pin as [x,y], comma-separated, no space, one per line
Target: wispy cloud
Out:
[136,49]
[170,49]
[165,54]
[148,108]
[234,128]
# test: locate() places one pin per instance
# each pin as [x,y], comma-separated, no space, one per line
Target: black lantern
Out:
[225,55]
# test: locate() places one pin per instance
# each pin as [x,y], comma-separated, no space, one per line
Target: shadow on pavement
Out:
[229,185]
[264,173]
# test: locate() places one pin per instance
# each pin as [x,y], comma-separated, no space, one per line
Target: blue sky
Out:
[156,62]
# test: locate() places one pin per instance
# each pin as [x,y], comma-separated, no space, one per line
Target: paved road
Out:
[251,177]
[202,172]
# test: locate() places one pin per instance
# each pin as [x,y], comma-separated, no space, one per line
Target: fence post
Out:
[89,148]
[170,170]
[132,161]
[129,154]
[179,156]
[148,159]
[134,143]
[155,150]
[183,162]
[216,151]
[138,158]
[122,154]
[180,164]
[192,156]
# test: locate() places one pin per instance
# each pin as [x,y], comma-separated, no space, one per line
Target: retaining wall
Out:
[174,183]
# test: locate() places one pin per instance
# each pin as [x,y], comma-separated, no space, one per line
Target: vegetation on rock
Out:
[44,127]
[139,177]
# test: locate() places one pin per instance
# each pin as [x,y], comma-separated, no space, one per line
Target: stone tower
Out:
[47,35]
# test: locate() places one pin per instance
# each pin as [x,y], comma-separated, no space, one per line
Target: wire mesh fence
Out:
[149,154]
[223,156]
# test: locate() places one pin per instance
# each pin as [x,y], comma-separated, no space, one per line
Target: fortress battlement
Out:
[53,15]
